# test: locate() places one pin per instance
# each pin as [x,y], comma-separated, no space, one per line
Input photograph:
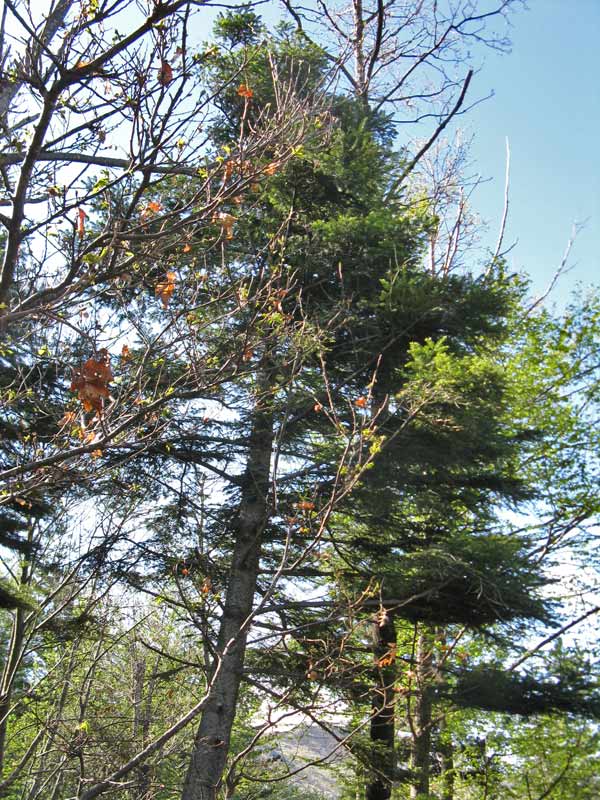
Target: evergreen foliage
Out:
[254,443]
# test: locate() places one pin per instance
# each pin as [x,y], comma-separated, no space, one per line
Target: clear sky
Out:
[547,102]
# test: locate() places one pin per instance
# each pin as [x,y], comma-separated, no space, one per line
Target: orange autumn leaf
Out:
[206,586]
[96,453]
[271,169]
[81,217]
[153,207]
[86,436]
[165,288]
[187,247]
[305,505]
[165,73]
[389,658]
[229,165]
[245,91]
[361,402]
[91,382]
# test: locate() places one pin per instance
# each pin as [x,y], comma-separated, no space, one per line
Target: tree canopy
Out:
[270,443]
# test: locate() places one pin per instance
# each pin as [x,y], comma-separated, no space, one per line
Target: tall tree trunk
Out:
[379,787]
[421,742]
[141,721]
[358,43]
[211,744]
[11,665]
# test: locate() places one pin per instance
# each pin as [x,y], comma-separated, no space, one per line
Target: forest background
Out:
[279,420]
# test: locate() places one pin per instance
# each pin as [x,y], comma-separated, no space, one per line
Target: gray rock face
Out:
[315,753]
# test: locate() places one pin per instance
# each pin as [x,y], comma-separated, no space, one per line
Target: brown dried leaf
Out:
[165,73]
[91,382]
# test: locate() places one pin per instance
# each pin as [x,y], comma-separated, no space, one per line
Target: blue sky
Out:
[547,102]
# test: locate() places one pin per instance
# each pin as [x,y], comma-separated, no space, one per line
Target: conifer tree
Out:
[236,351]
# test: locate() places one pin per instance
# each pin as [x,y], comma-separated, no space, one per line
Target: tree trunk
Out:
[380,784]
[141,722]
[11,664]
[211,744]
[358,43]
[421,743]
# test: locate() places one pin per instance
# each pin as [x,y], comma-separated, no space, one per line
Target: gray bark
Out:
[141,723]
[421,743]
[11,665]
[211,744]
